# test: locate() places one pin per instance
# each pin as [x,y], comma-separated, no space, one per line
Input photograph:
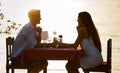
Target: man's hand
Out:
[39,29]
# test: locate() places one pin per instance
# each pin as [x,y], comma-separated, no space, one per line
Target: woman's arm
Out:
[81,34]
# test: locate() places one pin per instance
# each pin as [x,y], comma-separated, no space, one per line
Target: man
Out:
[29,37]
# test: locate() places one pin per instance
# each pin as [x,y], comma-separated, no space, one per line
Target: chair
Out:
[105,66]
[9,65]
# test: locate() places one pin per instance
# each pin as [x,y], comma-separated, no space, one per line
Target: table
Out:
[69,54]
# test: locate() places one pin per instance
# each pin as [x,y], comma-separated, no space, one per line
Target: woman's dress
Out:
[93,58]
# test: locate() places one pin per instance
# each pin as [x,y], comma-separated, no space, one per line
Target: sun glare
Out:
[59,15]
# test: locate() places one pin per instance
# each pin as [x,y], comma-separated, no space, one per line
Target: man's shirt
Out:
[25,39]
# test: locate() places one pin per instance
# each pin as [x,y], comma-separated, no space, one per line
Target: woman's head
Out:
[85,19]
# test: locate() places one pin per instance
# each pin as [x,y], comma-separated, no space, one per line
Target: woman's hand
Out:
[79,48]
[78,29]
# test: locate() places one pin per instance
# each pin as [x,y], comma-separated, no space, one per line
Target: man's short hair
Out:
[33,13]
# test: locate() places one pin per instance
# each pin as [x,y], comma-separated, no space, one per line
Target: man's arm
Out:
[39,30]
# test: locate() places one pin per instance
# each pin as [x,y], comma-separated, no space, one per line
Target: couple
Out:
[88,39]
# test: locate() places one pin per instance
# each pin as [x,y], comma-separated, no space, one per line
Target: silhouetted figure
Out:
[29,37]
[88,39]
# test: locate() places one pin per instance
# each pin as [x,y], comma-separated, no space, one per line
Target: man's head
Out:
[34,16]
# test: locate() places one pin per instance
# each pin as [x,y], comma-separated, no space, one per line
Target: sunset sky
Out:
[61,15]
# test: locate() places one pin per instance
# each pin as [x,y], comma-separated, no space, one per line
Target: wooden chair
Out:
[105,66]
[9,65]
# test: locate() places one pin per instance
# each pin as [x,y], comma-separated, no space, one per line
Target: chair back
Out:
[9,47]
[109,53]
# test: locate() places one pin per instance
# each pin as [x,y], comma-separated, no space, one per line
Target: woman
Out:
[89,41]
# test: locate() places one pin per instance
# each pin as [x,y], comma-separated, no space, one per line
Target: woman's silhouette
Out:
[89,41]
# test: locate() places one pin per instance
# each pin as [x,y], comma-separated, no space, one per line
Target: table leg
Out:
[45,70]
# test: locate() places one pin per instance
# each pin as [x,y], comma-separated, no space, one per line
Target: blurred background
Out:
[60,16]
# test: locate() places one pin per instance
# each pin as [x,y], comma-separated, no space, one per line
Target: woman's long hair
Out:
[92,31]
